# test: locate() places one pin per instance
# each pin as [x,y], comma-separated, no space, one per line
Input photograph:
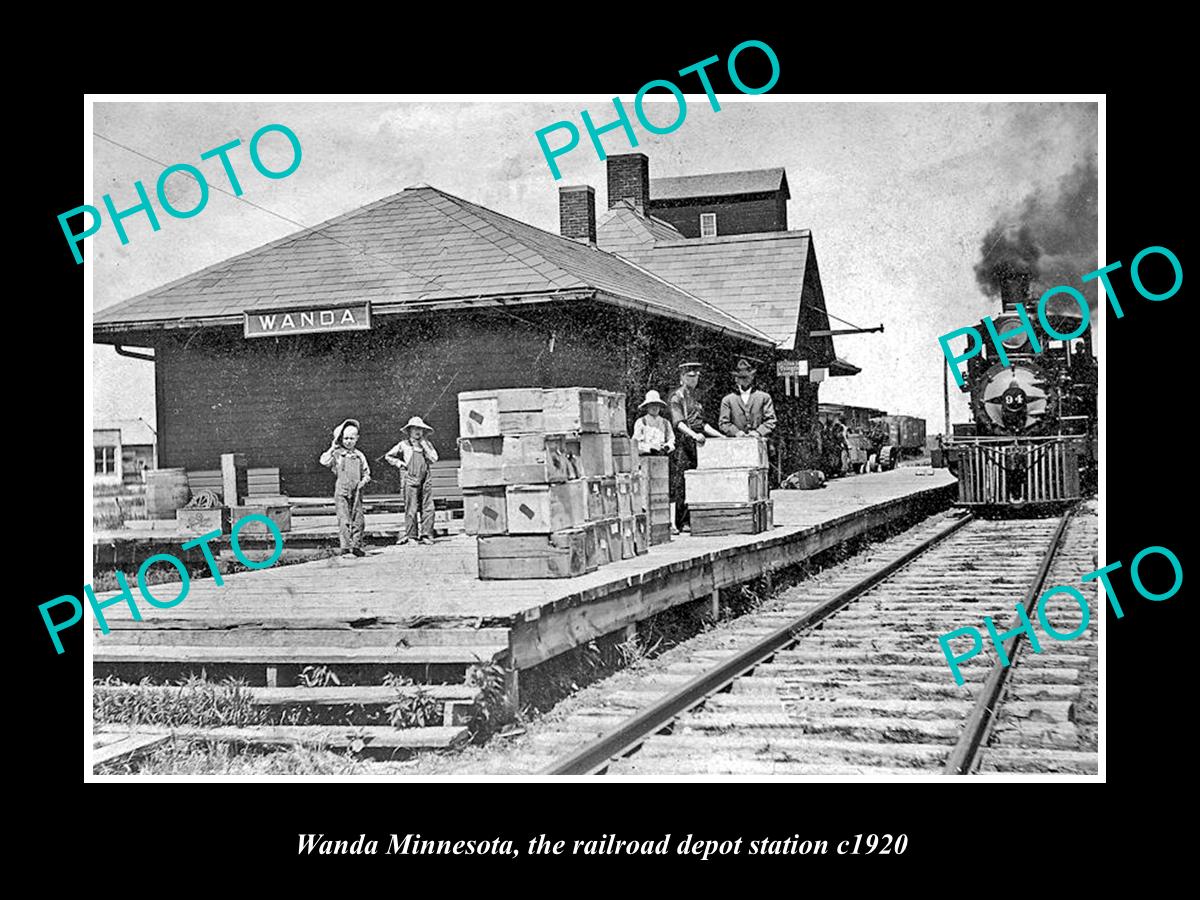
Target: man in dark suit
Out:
[687,416]
[745,410]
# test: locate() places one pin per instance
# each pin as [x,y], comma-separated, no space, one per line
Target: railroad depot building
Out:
[392,309]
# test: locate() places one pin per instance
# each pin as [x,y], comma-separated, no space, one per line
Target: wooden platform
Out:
[424,604]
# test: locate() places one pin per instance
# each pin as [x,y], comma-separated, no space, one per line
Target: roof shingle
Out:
[418,245]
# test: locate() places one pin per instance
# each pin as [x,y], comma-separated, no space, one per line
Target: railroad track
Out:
[855,681]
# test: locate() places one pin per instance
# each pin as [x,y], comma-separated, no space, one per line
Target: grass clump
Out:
[194,702]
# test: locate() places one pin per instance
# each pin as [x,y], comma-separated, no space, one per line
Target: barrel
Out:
[166,491]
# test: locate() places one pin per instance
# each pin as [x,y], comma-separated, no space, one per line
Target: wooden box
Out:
[560,555]
[628,541]
[732,453]
[622,453]
[733,518]
[625,495]
[485,510]
[594,452]
[641,535]
[603,411]
[603,538]
[280,514]
[481,462]
[202,521]
[595,499]
[571,410]
[536,459]
[614,539]
[660,534]
[595,554]
[725,485]
[545,508]
[515,459]
[608,493]
[617,422]
[478,414]
[495,412]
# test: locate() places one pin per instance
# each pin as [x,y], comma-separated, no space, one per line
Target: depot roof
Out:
[719,184]
[420,248]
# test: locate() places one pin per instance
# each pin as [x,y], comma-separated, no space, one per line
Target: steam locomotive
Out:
[1032,441]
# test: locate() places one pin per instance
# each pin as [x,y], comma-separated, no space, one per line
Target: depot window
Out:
[106,460]
[708,224]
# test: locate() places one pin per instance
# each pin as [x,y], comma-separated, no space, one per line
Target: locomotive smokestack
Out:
[1014,289]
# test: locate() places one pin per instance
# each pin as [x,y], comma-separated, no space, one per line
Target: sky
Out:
[898,197]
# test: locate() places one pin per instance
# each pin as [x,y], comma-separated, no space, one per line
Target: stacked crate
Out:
[652,484]
[539,481]
[727,493]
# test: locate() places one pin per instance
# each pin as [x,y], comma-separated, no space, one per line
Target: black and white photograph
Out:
[432,441]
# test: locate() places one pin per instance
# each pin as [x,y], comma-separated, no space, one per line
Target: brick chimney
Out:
[629,179]
[577,213]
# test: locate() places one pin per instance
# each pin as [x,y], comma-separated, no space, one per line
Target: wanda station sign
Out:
[308,320]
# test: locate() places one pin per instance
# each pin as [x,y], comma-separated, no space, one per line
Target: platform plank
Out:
[295,655]
[435,588]
[332,736]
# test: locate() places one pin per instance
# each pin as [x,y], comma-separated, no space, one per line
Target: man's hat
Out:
[743,367]
[337,432]
[684,366]
[417,422]
[652,398]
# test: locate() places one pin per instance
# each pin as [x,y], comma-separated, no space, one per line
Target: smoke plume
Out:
[1051,235]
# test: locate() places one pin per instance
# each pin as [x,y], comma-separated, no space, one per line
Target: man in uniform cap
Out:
[687,417]
[745,410]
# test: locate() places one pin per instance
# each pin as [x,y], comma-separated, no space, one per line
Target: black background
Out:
[967,836]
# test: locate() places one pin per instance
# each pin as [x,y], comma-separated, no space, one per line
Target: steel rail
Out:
[620,741]
[965,756]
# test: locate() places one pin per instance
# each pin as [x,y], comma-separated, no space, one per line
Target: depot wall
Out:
[277,399]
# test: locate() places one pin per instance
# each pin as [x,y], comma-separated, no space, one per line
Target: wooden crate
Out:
[628,539]
[625,495]
[603,538]
[263,482]
[603,411]
[725,485]
[622,453]
[485,510]
[613,527]
[571,410]
[563,554]
[205,480]
[481,462]
[732,453]
[536,459]
[617,423]
[732,518]
[594,452]
[546,508]
[202,521]
[478,414]
[641,535]
[596,547]
[595,499]
[280,514]
[660,534]
[608,493]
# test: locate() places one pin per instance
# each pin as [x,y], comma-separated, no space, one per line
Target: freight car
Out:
[905,432]
[1032,440]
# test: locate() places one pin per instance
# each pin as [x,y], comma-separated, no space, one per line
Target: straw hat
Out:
[651,398]
[687,366]
[417,422]
[744,367]
[337,432]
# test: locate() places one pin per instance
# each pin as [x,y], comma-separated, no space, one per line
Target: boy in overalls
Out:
[352,471]
[414,456]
